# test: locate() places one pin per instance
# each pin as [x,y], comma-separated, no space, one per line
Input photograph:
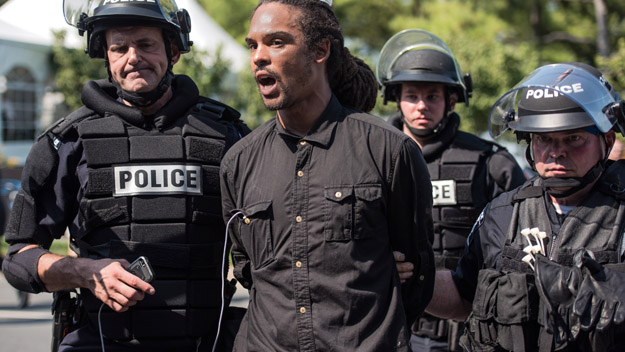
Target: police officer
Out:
[540,266]
[419,72]
[134,172]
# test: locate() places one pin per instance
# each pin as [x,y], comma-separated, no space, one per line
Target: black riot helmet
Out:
[96,16]
[416,55]
[560,97]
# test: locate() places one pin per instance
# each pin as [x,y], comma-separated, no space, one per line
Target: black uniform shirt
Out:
[484,244]
[318,218]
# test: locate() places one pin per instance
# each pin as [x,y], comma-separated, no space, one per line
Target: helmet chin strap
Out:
[143,99]
[573,184]
[425,132]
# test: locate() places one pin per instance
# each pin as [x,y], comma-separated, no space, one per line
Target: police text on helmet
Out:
[552,93]
[116,1]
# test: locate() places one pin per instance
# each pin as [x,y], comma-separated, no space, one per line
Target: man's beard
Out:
[285,99]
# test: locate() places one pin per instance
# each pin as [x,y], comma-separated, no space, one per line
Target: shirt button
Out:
[247,220]
[421,277]
[302,310]
[338,194]
[298,219]
[302,142]
[300,173]
[298,264]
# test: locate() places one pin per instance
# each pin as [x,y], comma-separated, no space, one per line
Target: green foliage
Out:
[368,20]
[232,15]
[73,69]
[208,71]
[613,67]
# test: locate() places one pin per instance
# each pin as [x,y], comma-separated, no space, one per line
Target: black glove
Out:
[601,297]
[557,287]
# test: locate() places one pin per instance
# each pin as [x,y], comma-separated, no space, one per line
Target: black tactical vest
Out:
[153,190]
[459,176]
[505,313]
[156,193]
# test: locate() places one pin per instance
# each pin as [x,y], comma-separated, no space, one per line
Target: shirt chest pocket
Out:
[256,233]
[353,212]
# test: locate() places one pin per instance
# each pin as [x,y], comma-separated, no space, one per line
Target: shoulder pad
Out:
[470,141]
[528,190]
[57,130]
[216,110]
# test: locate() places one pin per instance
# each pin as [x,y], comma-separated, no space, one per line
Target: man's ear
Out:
[453,99]
[175,53]
[322,50]
[610,139]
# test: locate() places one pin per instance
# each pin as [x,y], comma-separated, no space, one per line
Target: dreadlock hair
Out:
[351,79]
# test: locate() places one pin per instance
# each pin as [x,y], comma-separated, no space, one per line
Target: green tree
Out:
[613,67]
[73,69]
[232,15]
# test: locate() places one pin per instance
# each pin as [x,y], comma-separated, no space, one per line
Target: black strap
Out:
[528,192]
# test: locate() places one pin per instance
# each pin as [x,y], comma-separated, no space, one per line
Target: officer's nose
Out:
[556,150]
[133,55]
[421,105]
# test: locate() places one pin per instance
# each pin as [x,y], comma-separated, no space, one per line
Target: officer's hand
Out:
[112,284]
[557,287]
[601,297]
[405,269]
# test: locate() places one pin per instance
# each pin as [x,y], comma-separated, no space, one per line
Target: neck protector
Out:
[100,97]
[575,183]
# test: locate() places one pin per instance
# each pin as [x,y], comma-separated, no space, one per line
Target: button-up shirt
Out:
[314,223]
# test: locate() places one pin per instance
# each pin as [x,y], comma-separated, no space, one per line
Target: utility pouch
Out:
[66,310]
[504,312]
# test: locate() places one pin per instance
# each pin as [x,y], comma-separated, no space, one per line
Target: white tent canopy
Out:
[33,21]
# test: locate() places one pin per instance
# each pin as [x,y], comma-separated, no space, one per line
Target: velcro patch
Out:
[157,179]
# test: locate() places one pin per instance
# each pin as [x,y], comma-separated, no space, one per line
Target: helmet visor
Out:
[76,11]
[405,41]
[549,84]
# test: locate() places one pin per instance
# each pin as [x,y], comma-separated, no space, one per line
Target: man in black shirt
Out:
[319,196]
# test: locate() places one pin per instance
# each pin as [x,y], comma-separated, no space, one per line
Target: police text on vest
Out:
[157,179]
[444,192]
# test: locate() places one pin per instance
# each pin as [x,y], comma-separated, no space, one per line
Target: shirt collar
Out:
[323,129]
